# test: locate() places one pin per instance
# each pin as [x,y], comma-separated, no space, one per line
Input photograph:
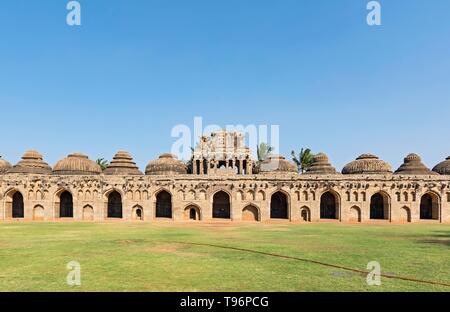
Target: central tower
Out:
[222,153]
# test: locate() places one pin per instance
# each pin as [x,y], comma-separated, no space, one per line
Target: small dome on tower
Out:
[4,166]
[367,164]
[443,167]
[413,165]
[321,165]
[33,163]
[76,164]
[122,164]
[166,164]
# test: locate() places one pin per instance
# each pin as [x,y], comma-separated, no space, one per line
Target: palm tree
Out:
[103,163]
[304,160]
[263,151]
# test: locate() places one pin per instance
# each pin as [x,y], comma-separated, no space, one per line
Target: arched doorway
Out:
[221,206]
[250,213]
[192,213]
[163,205]
[65,205]
[88,213]
[305,214]
[328,206]
[379,207]
[137,213]
[405,214]
[115,205]
[279,206]
[18,210]
[355,214]
[429,207]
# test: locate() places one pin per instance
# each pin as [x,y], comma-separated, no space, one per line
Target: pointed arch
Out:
[329,205]
[221,205]
[251,213]
[429,206]
[114,206]
[192,212]
[355,214]
[380,206]
[405,214]
[88,213]
[65,205]
[163,207]
[137,213]
[14,204]
[305,214]
[279,205]
[38,213]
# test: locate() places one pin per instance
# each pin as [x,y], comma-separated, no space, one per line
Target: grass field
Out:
[152,256]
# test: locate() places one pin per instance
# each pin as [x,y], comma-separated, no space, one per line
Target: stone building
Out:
[223,187]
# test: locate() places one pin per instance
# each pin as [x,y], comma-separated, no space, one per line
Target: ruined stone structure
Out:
[222,186]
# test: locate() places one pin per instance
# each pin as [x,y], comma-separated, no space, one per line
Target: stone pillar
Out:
[202,166]
[241,167]
[194,166]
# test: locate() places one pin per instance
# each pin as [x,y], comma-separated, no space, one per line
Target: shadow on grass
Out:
[439,238]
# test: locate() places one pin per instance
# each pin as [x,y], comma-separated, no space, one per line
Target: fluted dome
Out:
[321,165]
[122,164]
[76,164]
[166,164]
[4,166]
[277,163]
[367,164]
[32,162]
[413,165]
[443,167]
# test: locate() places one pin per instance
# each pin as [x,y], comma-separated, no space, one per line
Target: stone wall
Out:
[401,194]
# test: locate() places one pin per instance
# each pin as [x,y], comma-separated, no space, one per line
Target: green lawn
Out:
[149,256]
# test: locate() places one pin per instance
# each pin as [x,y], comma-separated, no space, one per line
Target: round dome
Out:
[367,164]
[32,162]
[4,166]
[443,167]
[122,164]
[166,164]
[277,163]
[413,165]
[321,165]
[76,164]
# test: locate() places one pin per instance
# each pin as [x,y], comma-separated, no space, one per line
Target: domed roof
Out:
[443,167]
[413,165]
[32,162]
[122,164]
[76,164]
[321,165]
[367,164]
[4,165]
[277,163]
[166,164]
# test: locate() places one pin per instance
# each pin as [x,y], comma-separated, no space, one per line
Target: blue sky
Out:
[135,69]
